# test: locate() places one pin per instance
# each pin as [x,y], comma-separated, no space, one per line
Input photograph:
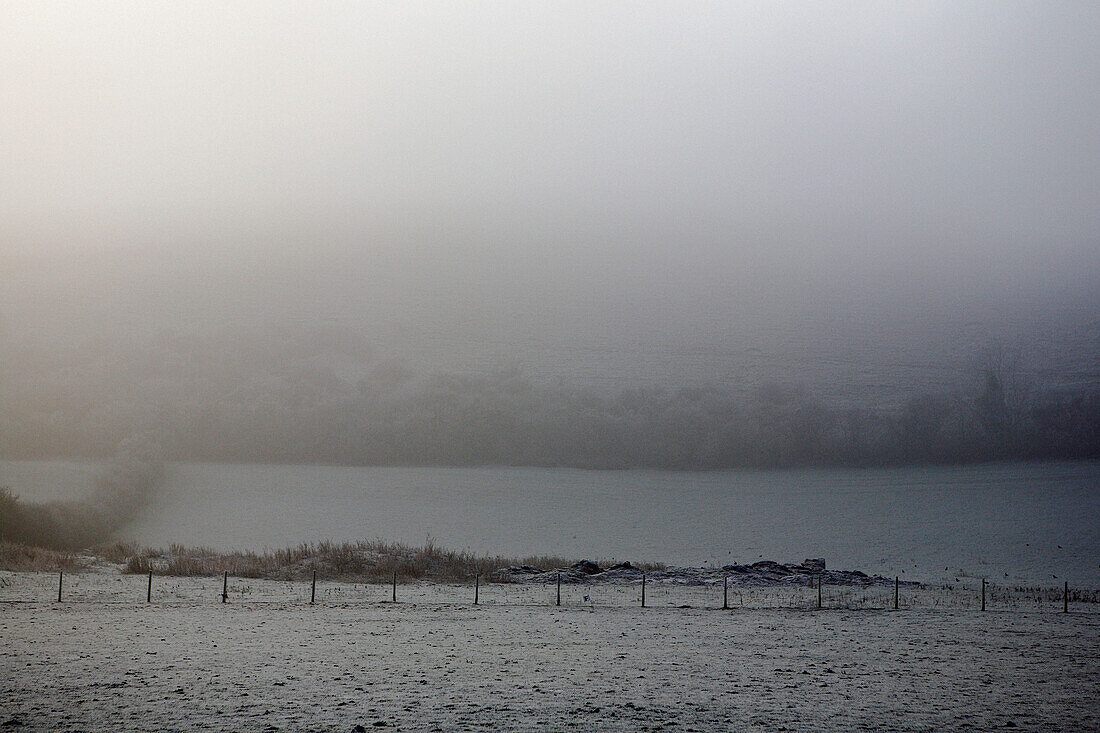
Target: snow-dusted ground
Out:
[103,659]
[763,573]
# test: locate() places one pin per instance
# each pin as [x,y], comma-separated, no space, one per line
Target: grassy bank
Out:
[365,561]
[19,557]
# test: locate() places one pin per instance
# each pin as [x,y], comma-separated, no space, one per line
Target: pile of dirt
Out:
[762,573]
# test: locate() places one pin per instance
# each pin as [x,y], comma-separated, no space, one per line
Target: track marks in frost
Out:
[275,667]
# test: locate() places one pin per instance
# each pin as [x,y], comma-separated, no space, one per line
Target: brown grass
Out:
[367,561]
[26,558]
[117,552]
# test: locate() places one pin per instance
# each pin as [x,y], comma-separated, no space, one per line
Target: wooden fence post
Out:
[149,590]
[725,592]
[225,586]
[60,582]
[477,587]
[313,588]
[559,589]
[395,586]
[643,590]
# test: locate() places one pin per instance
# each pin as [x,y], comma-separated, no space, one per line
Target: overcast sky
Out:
[596,170]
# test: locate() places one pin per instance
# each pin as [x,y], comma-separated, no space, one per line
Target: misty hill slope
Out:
[332,399]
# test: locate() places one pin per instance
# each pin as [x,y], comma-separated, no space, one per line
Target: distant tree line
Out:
[234,400]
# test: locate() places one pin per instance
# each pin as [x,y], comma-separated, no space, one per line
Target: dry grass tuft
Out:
[117,552]
[365,561]
[26,558]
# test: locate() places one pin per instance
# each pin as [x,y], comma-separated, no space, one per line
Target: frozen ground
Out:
[105,660]
[763,573]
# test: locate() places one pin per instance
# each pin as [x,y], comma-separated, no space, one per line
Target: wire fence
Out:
[970,594]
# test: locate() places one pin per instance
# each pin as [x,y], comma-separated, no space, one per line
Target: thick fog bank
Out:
[613,234]
[330,397]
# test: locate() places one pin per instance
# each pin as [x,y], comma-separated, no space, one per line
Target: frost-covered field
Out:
[104,659]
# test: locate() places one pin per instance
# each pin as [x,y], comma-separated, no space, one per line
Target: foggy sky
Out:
[526,181]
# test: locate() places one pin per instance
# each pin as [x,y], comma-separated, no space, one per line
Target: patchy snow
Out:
[268,661]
